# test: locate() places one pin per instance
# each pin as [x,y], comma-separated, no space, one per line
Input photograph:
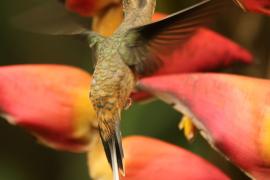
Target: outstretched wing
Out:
[146,45]
[51,18]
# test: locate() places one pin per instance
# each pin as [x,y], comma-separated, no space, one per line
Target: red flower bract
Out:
[49,100]
[205,50]
[232,111]
[151,159]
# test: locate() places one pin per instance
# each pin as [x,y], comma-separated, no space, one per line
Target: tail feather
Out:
[114,153]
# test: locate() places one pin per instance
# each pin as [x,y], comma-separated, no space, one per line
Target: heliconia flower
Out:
[232,112]
[258,6]
[88,7]
[151,159]
[51,101]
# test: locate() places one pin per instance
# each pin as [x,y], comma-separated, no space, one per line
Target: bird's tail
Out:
[114,152]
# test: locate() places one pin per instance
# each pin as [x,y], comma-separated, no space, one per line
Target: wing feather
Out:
[153,41]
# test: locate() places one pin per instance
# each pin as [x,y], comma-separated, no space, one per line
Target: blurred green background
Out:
[22,158]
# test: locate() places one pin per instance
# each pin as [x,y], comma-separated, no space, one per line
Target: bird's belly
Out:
[111,87]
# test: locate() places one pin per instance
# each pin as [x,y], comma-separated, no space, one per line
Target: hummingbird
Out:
[134,50]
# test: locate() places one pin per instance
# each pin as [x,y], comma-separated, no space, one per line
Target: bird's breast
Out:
[112,83]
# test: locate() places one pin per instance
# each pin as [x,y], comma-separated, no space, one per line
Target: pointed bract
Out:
[232,111]
[51,101]
[205,51]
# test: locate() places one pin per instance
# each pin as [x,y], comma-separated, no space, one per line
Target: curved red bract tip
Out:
[151,159]
[206,50]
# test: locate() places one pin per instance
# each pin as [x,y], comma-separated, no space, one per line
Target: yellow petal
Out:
[98,165]
[265,137]
[106,22]
[86,121]
[187,126]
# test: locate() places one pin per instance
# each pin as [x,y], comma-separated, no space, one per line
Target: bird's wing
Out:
[144,46]
[51,18]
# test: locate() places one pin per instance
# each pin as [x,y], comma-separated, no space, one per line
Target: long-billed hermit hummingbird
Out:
[134,50]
